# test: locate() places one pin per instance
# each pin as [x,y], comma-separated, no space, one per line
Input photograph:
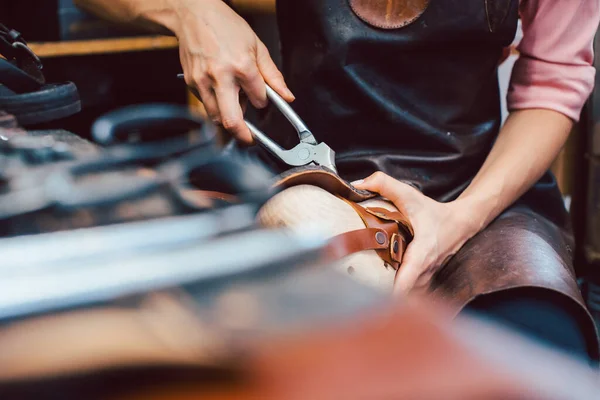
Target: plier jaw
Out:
[307,152]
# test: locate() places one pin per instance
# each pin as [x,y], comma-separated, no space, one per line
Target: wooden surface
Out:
[265,6]
[102,46]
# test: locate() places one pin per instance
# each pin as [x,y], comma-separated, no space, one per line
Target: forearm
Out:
[154,15]
[526,147]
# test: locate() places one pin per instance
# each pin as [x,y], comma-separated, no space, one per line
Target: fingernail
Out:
[290,94]
[358,182]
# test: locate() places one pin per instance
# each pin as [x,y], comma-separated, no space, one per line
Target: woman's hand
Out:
[440,230]
[220,54]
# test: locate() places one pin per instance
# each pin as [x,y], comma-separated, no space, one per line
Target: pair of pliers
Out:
[307,152]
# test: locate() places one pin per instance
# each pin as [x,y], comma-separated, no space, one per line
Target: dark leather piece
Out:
[496,11]
[21,70]
[323,178]
[17,79]
[47,103]
[389,14]
[394,216]
[395,100]
[24,92]
[520,249]
[150,123]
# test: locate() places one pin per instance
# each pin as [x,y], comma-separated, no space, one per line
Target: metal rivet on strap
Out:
[380,238]
[395,246]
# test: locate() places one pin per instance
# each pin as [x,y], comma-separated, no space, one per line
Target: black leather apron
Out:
[421,102]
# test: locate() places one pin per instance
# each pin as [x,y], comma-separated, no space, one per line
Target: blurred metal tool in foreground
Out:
[77,268]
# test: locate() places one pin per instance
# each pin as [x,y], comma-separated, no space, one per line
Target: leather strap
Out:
[386,232]
[323,178]
[355,241]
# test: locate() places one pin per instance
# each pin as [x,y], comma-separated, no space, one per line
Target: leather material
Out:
[323,178]
[19,80]
[22,69]
[388,233]
[389,14]
[354,241]
[496,11]
[24,92]
[520,249]
[383,103]
[422,104]
[47,103]
[395,232]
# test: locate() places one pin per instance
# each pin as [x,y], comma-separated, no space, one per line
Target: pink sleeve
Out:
[555,68]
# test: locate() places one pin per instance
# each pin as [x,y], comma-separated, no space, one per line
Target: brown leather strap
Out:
[323,178]
[355,241]
[386,232]
[395,216]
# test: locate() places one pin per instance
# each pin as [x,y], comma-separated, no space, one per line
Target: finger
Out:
[232,117]
[271,73]
[410,270]
[253,85]
[386,186]
[201,86]
[209,100]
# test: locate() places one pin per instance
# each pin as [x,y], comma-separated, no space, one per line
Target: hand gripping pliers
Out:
[307,152]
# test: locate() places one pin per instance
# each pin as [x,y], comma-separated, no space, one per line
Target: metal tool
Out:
[96,265]
[307,152]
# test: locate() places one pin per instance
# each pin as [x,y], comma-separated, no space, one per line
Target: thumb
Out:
[388,187]
[411,268]
[271,73]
